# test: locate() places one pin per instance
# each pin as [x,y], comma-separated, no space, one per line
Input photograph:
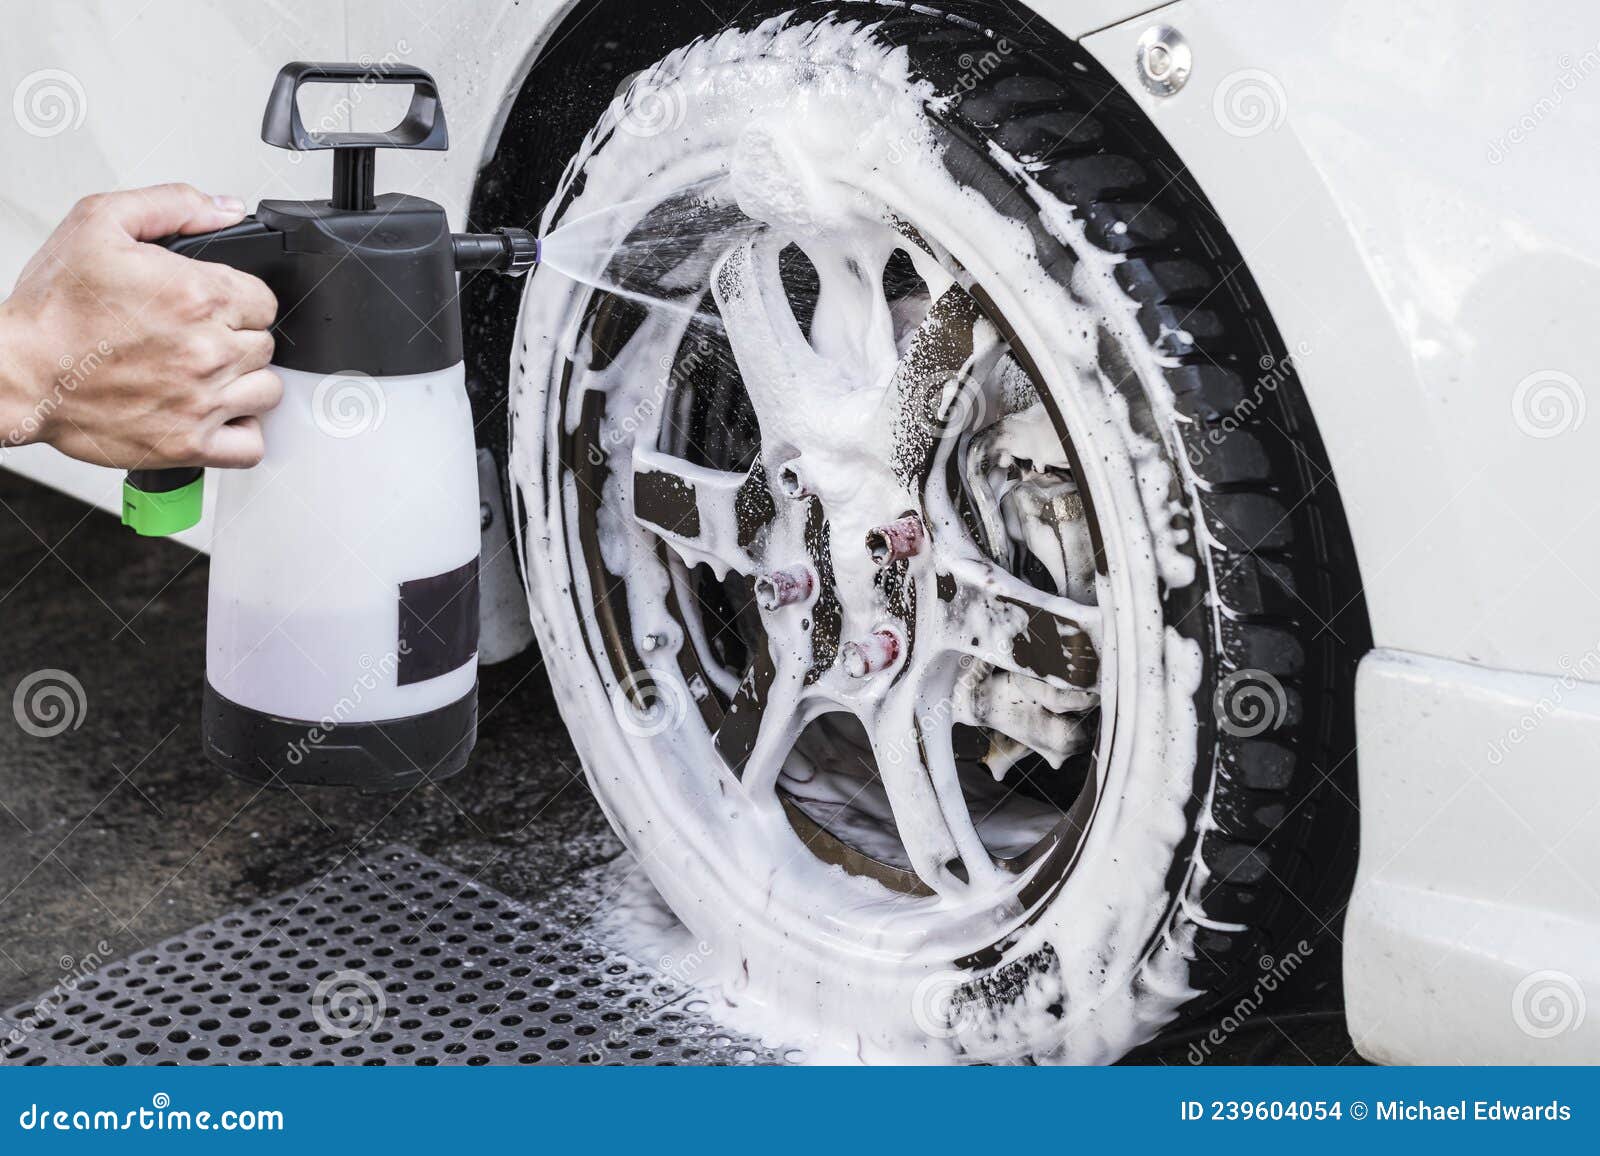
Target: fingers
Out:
[235,445]
[247,302]
[251,395]
[231,437]
[247,351]
[160,210]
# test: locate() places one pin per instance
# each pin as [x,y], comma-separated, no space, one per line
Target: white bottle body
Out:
[368,483]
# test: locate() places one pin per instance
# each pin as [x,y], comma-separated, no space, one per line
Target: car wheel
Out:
[932,552]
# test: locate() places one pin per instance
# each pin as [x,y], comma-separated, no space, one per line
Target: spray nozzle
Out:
[512,251]
[507,250]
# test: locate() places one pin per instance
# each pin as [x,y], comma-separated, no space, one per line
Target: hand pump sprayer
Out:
[342,626]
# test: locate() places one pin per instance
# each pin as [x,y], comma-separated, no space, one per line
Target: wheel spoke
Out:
[776,362]
[917,764]
[853,327]
[705,515]
[935,380]
[763,722]
[1012,625]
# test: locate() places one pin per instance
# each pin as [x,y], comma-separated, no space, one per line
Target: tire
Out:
[1188,717]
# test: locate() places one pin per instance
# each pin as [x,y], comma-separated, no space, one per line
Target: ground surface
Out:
[117,833]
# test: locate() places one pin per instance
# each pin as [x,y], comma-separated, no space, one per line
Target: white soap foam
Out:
[798,950]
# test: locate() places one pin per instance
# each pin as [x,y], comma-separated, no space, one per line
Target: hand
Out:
[124,354]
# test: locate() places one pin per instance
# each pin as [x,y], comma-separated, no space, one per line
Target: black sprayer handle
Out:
[422,128]
[249,245]
[353,162]
[163,501]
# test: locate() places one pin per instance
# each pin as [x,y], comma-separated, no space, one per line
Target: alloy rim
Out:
[887,622]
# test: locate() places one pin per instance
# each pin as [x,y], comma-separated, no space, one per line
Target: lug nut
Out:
[877,651]
[898,539]
[653,641]
[783,587]
[789,482]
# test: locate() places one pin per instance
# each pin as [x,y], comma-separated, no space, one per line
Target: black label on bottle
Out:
[438,623]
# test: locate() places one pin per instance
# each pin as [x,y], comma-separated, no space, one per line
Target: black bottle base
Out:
[371,756]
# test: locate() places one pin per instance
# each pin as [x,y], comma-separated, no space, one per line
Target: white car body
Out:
[1408,184]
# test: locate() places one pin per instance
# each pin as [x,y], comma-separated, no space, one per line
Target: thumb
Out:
[161,210]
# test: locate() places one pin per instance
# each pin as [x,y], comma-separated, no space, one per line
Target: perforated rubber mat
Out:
[396,959]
